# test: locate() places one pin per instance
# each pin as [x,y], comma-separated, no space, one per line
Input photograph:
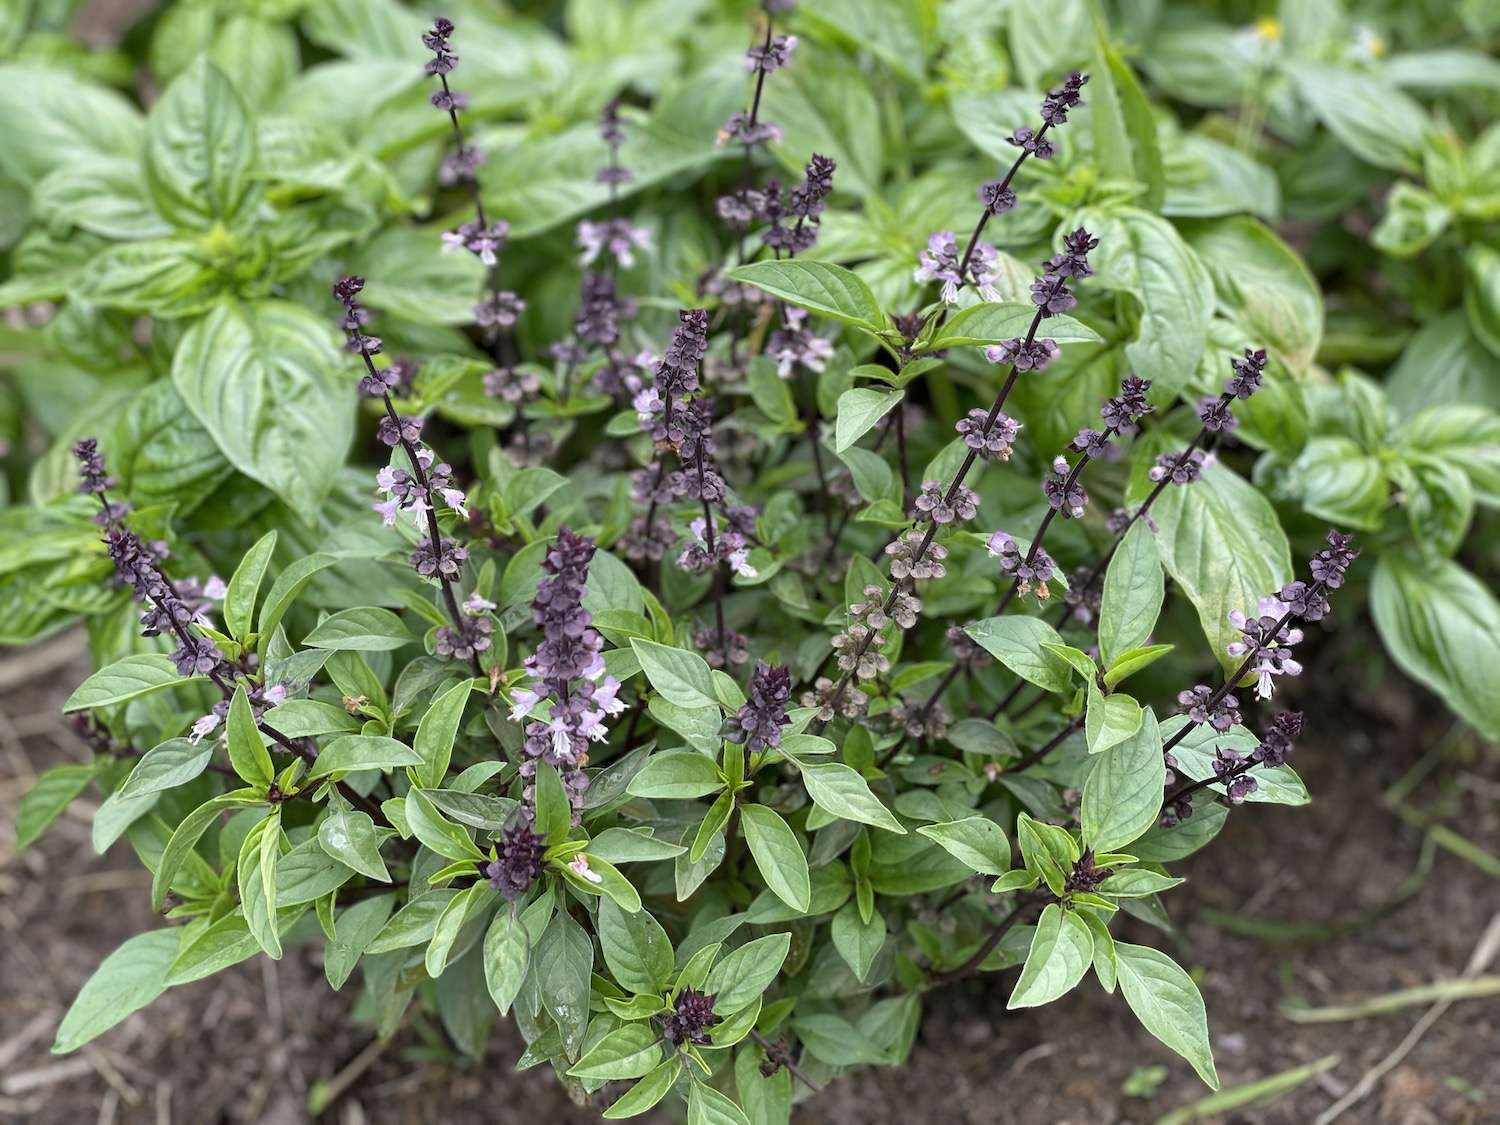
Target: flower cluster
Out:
[472,633]
[1024,355]
[1031,573]
[795,344]
[1180,468]
[856,644]
[1085,877]
[691,1018]
[942,508]
[920,719]
[1199,705]
[992,441]
[828,701]
[909,560]
[1232,770]
[758,723]
[1268,640]
[941,261]
[567,672]
[1062,490]
[517,863]
[772,55]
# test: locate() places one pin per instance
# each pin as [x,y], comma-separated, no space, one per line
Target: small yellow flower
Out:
[1268,29]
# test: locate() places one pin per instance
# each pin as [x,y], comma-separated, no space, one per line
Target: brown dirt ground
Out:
[247,1045]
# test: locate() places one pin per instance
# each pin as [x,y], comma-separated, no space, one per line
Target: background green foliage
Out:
[1319,181]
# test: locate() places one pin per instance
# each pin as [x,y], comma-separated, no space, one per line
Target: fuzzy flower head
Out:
[483,240]
[758,723]
[991,440]
[691,1019]
[1195,704]
[1268,640]
[794,344]
[910,560]
[1248,373]
[934,504]
[1276,743]
[1180,468]
[1123,411]
[740,130]
[772,56]
[615,237]
[1063,492]
[1056,104]
[676,372]
[436,41]
[1026,355]
[1032,573]
[1216,416]
[519,862]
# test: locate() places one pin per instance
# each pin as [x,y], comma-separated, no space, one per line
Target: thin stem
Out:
[901,451]
[434,533]
[957,483]
[991,943]
[1051,744]
[768,1047]
[1239,673]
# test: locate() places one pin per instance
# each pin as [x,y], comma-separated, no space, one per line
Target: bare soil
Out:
[249,1044]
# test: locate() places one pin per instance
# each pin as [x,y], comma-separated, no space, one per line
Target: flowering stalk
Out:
[567,673]
[498,312]
[1232,769]
[139,565]
[1051,295]
[1266,640]
[428,485]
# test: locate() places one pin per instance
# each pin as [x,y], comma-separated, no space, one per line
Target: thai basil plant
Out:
[709,648]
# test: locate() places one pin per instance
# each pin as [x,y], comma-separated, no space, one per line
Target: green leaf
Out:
[819,287]
[636,948]
[647,1092]
[200,148]
[413,924]
[440,835]
[681,677]
[355,929]
[1131,661]
[1125,141]
[706,1106]
[975,841]
[1110,719]
[185,837]
[992,322]
[507,952]
[349,836]
[1137,882]
[267,381]
[859,410]
[768,390]
[1133,593]
[256,870]
[1122,795]
[225,943]
[127,980]
[739,979]
[858,942]
[839,790]
[84,122]
[363,752]
[1223,545]
[102,195]
[626,1052]
[1194,755]
[1062,949]
[244,586]
[676,775]
[1167,1002]
[1442,627]
[174,762]
[1372,118]
[362,629]
[1263,287]
[450,922]
[1143,255]
[777,854]
[288,585]
[564,959]
[247,753]
[46,800]
[1018,642]
[437,730]
[128,678]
